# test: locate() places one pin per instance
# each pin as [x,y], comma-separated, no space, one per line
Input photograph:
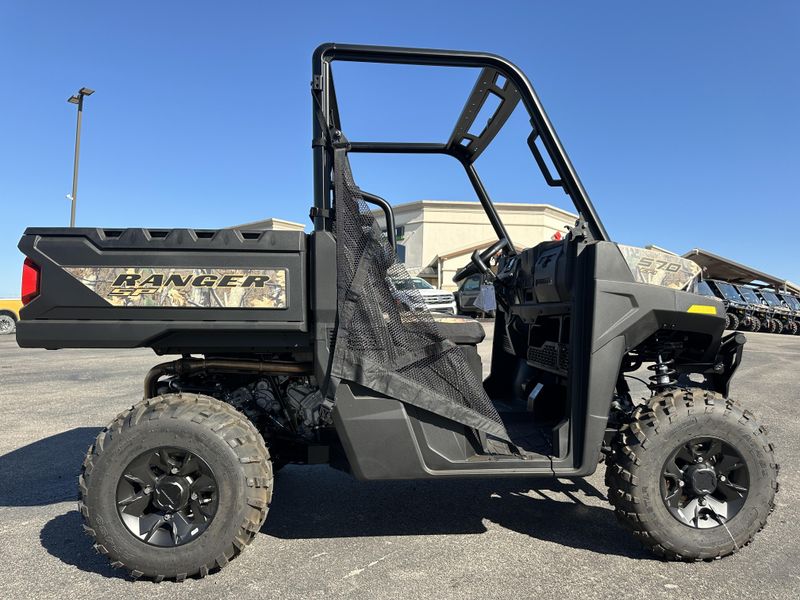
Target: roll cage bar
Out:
[462,145]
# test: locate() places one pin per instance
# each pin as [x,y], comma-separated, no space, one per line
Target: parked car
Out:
[9,315]
[417,294]
[467,294]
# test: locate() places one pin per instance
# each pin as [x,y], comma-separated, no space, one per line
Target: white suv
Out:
[435,300]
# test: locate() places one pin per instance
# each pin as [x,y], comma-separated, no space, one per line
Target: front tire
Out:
[175,487]
[676,483]
[734,322]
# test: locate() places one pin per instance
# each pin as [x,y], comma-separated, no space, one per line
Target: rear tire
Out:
[229,448]
[734,322]
[778,326]
[641,483]
[8,323]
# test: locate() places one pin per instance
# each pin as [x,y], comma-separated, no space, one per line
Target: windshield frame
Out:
[791,301]
[771,298]
[722,286]
[742,292]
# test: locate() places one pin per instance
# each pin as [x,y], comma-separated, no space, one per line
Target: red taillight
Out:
[30,280]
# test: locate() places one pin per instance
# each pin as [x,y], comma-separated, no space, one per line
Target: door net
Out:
[381,342]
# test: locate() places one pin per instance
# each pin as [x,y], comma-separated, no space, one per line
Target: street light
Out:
[77,99]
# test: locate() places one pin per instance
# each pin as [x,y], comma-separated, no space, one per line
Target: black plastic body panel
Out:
[384,438]
[68,314]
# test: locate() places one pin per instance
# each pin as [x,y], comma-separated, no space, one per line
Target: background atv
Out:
[294,350]
[794,305]
[737,313]
[761,314]
[781,314]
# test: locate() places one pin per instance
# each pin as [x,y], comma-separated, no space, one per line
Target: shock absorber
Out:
[663,376]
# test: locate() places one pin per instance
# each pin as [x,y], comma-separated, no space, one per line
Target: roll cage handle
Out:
[388,213]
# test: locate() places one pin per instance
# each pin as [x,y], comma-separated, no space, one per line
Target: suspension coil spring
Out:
[663,376]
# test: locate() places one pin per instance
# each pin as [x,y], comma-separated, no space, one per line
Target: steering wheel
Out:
[479,260]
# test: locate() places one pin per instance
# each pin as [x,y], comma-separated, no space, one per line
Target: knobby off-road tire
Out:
[755,324]
[733,322]
[214,432]
[640,452]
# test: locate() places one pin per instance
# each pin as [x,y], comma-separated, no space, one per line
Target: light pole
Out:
[77,99]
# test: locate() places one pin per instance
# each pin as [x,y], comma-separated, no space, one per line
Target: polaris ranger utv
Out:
[737,313]
[781,313]
[761,314]
[294,350]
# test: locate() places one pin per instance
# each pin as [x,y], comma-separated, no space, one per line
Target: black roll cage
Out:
[462,145]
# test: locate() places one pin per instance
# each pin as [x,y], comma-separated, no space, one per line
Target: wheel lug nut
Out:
[194,495]
[681,484]
[168,516]
[699,459]
[148,489]
[722,477]
[174,470]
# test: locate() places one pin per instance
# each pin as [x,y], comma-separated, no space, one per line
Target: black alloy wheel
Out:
[705,483]
[167,496]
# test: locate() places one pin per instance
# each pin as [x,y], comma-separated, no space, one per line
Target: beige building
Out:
[437,237]
[274,224]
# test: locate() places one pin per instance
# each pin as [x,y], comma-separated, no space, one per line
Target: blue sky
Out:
[681,117]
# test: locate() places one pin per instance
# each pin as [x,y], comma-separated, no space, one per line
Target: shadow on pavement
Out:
[318,502]
[63,537]
[46,471]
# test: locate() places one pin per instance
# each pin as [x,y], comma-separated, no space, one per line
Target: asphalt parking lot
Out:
[328,535]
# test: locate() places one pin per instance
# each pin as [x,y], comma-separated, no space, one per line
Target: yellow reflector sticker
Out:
[702,309]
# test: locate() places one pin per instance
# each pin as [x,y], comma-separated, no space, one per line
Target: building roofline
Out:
[513,206]
[262,222]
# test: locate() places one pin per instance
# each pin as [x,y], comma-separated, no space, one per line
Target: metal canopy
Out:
[719,267]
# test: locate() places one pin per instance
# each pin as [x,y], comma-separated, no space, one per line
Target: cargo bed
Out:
[169,289]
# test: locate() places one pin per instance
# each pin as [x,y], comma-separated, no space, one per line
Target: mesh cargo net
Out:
[381,343]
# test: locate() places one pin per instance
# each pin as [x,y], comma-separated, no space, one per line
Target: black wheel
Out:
[733,321]
[778,326]
[727,320]
[796,328]
[175,487]
[8,323]
[768,325]
[754,324]
[693,476]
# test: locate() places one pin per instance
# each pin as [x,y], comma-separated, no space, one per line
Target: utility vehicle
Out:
[737,312]
[793,304]
[762,317]
[295,350]
[781,313]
